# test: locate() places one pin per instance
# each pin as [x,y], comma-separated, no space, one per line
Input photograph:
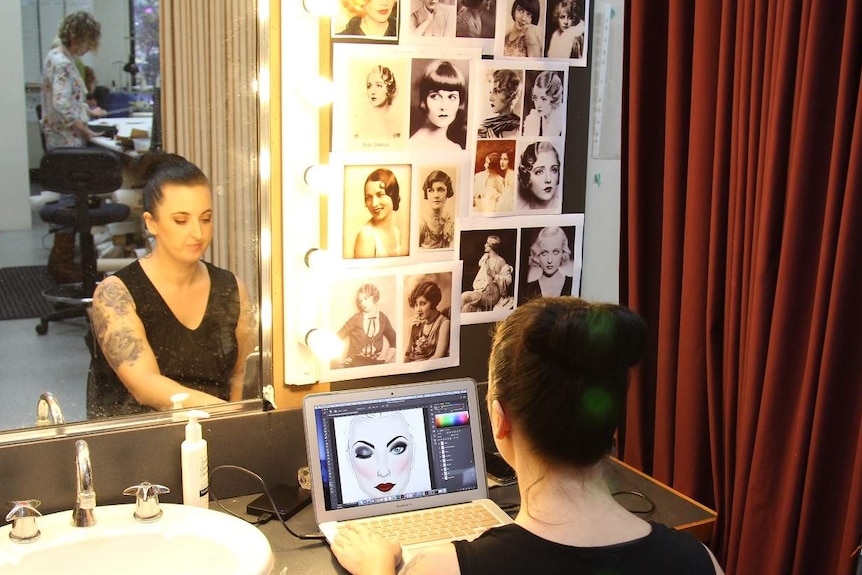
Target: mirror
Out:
[58,361]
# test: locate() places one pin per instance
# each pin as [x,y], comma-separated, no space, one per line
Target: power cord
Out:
[264,518]
[645,512]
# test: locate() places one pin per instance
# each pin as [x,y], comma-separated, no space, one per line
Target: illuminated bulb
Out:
[321,8]
[317,91]
[318,178]
[324,344]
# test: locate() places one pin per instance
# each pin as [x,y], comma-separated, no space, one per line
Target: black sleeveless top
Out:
[513,549]
[202,358]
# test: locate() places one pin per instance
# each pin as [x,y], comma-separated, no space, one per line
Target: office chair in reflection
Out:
[81,175]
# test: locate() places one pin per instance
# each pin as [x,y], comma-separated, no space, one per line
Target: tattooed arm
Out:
[123,341]
[245,337]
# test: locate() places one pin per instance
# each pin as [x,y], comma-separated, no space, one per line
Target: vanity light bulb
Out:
[320,8]
[324,344]
[318,260]
[318,178]
[317,91]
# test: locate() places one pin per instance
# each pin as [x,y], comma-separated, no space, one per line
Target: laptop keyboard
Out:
[466,521]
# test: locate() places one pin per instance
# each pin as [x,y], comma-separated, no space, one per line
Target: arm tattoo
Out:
[122,347]
[118,299]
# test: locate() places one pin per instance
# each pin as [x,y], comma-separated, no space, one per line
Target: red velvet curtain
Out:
[742,247]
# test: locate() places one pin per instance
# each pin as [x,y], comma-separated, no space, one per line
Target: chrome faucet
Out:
[48,410]
[85,502]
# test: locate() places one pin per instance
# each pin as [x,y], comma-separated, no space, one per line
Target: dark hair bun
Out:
[587,338]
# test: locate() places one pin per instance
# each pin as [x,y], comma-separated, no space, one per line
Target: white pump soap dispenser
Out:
[194,463]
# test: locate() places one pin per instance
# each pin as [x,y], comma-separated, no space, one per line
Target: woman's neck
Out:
[170,271]
[373,28]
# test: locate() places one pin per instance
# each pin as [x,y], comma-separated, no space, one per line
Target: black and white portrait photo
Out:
[540,178]
[427,313]
[433,18]
[379,104]
[547,263]
[438,120]
[545,105]
[489,259]
[437,207]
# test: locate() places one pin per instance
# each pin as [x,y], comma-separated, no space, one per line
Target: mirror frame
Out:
[269,177]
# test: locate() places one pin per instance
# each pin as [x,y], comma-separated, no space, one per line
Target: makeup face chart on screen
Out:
[396,449]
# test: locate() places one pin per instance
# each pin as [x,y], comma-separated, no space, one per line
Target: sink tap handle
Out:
[23,517]
[146,500]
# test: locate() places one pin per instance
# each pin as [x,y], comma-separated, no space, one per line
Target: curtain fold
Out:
[209,110]
[742,209]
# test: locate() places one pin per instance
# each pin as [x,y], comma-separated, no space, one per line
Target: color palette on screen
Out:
[452,419]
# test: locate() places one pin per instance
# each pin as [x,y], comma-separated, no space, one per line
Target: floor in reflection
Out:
[32,363]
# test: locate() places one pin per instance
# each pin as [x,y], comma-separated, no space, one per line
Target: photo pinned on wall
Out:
[523,104]
[372,110]
[439,103]
[430,320]
[521,31]
[439,185]
[490,258]
[544,29]
[370,220]
[567,31]
[444,23]
[381,456]
[373,312]
[550,256]
[366,20]
[494,178]
[363,312]
[501,93]
[540,177]
[527,256]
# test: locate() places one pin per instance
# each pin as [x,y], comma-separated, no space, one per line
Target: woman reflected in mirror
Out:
[170,322]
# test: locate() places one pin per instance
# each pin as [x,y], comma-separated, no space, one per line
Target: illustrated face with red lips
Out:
[381,451]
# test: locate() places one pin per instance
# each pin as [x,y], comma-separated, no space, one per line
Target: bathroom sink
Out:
[185,540]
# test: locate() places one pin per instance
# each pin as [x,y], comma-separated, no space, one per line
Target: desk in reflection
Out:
[126,128]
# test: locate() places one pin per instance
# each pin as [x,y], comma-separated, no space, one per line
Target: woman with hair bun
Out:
[557,383]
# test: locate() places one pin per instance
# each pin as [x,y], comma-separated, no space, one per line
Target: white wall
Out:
[601,273]
[14,168]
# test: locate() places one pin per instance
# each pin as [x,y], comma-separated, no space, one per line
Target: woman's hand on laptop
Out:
[363,553]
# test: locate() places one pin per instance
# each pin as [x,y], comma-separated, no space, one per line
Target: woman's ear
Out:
[500,424]
[148,220]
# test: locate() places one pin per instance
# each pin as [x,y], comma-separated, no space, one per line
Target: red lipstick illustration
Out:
[384,487]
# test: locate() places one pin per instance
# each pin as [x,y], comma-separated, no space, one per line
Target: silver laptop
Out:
[397,450]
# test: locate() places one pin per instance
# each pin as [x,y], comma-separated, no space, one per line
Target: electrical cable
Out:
[262,518]
[645,512]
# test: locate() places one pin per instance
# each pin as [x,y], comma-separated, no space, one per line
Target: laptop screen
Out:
[404,446]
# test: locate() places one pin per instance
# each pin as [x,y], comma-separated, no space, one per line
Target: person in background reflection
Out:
[64,94]
[97,96]
[558,376]
[170,322]
[369,333]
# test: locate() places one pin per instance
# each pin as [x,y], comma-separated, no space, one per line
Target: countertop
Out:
[312,557]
